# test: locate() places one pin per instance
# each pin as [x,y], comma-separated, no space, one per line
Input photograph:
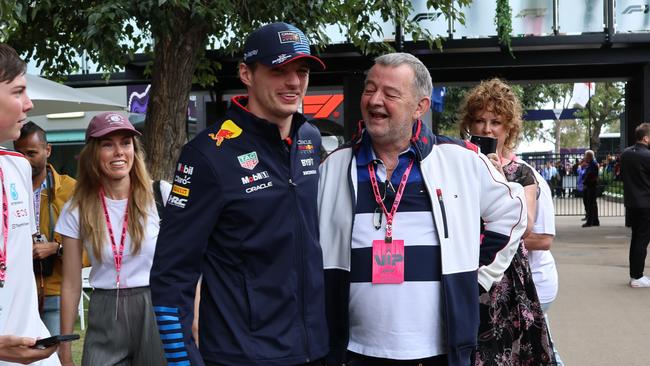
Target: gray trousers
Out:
[130,340]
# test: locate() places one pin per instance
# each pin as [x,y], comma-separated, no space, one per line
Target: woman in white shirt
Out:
[113,215]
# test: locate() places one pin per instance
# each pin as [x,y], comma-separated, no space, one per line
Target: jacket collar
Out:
[422,142]
[260,126]
[55,181]
[366,154]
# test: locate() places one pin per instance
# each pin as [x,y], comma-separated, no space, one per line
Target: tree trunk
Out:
[595,135]
[557,131]
[171,81]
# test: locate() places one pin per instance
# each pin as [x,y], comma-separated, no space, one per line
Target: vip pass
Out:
[388,254]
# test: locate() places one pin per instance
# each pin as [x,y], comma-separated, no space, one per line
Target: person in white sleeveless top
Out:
[20,323]
[538,243]
[113,215]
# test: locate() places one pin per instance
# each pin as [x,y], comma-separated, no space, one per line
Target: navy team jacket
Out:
[242,213]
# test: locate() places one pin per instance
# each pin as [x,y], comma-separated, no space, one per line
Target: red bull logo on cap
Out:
[228,130]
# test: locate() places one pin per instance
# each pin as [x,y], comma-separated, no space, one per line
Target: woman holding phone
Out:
[513,330]
[113,215]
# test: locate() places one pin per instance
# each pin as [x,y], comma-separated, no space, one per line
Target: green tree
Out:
[531,96]
[447,120]
[560,96]
[110,32]
[561,133]
[603,110]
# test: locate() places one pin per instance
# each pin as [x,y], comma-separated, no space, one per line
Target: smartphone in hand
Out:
[488,145]
[54,340]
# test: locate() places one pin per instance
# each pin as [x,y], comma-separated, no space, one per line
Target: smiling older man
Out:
[400,212]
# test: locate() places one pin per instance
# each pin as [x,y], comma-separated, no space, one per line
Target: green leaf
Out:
[93,18]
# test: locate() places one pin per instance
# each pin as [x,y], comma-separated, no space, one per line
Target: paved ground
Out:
[597,318]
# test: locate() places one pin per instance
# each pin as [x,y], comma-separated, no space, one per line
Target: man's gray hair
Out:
[422,84]
[590,153]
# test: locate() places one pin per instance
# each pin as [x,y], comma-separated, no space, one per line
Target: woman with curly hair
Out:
[513,330]
[112,213]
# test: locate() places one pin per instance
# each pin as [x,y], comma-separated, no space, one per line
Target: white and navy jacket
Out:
[470,189]
[242,213]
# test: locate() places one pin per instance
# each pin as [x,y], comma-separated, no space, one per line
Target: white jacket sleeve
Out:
[503,210]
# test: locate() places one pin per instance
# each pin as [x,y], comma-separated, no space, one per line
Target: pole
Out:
[399,37]
[589,116]
[556,20]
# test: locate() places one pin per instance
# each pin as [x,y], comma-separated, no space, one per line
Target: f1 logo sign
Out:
[637,9]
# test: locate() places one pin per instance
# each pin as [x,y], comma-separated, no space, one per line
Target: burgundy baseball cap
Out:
[107,122]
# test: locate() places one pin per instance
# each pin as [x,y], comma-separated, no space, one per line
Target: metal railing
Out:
[566,185]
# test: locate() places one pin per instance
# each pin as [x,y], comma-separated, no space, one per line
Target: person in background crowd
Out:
[590,188]
[51,192]
[20,323]
[400,230]
[242,213]
[549,173]
[492,109]
[113,215]
[559,178]
[580,187]
[635,172]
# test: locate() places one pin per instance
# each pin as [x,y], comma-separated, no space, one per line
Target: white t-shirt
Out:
[165,190]
[542,263]
[18,299]
[135,268]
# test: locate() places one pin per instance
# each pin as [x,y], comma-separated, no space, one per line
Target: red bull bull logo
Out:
[228,130]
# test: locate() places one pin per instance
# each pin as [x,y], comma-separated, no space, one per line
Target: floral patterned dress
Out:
[513,331]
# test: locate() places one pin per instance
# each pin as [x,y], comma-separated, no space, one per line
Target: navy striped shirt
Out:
[396,321]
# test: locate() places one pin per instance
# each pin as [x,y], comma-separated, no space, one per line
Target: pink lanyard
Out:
[398,197]
[5,230]
[117,252]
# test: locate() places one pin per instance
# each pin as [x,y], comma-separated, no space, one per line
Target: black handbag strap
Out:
[50,197]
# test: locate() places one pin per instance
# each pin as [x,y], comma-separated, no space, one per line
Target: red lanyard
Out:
[5,230]
[398,197]
[117,252]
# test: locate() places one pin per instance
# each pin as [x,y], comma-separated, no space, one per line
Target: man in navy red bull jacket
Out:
[242,213]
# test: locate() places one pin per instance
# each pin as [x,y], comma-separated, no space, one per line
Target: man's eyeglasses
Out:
[387,190]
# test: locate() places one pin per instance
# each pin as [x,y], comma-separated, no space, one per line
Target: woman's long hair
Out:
[92,223]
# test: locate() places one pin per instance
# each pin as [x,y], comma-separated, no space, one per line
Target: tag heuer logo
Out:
[248,161]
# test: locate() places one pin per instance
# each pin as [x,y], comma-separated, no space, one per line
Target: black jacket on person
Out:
[242,213]
[635,172]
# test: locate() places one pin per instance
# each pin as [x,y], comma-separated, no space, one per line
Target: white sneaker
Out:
[641,282]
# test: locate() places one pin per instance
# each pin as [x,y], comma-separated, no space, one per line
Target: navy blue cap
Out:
[277,44]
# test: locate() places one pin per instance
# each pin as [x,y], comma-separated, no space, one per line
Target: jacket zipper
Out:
[299,243]
[444,213]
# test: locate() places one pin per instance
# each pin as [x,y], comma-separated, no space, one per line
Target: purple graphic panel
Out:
[138,98]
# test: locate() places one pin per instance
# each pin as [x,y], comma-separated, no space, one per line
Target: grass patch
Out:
[78,345]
